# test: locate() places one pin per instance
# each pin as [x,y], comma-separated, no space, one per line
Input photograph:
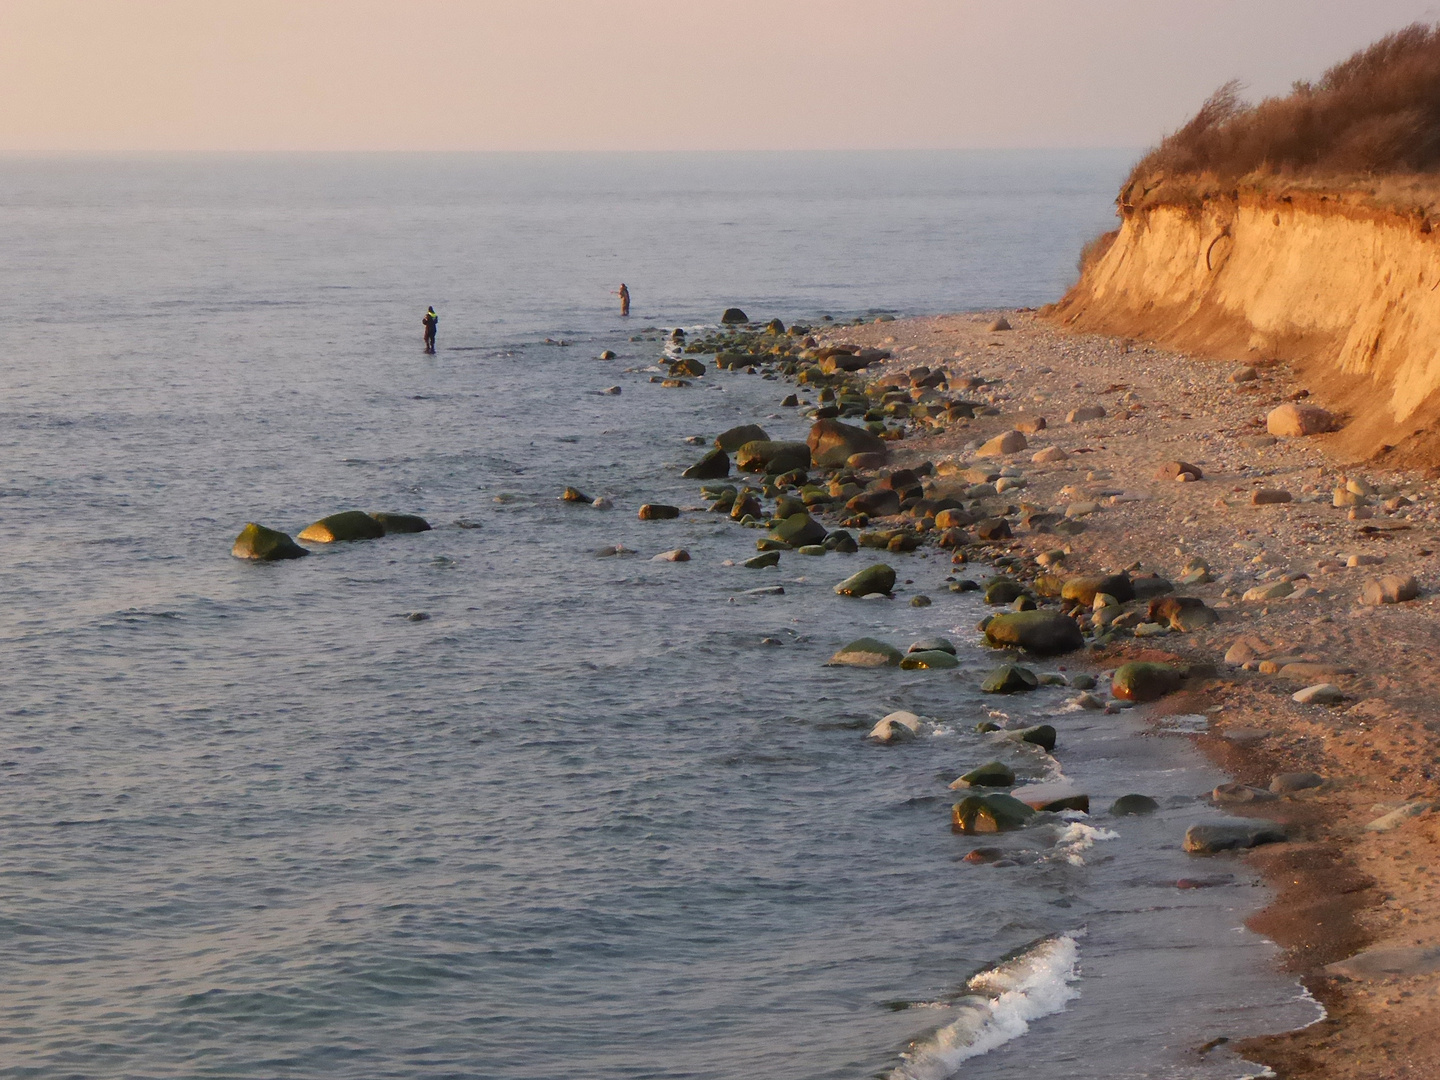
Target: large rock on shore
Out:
[344,526]
[1209,839]
[265,545]
[1293,420]
[866,652]
[772,456]
[1145,681]
[878,578]
[401,523]
[1009,442]
[1044,633]
[878,502]
[1082,590]
[992,813]
[713,466]
[734,438]
[832,443]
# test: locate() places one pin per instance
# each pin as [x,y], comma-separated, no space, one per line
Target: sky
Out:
[165,76]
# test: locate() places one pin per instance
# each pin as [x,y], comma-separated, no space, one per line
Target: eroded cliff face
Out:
[1349,296]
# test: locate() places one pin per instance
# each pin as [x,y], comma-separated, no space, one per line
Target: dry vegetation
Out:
[1369,130]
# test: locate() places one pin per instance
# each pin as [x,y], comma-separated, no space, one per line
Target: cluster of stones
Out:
[263,544]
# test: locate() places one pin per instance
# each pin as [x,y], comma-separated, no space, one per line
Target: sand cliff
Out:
[1347,294]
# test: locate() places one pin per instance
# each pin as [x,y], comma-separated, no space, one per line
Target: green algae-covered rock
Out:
[265,545]
[1145,681]
[991,813]
[867,652]
[841,541]
[1044,633]
[772,456]
[338,528]
[878,578]
[1003,591]
[933,660]
[713,466]
[991,774]
[736,437]
[797,530]
[1009,679]
[401,523]
[764,559]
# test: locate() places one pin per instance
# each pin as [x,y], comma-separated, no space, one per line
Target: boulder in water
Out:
[991,813]
[866,652]
[733,438]
[1009,679]
[991,774]
[713,466]
[658,512]
[344,526]
[798,530]
[1044,633]
[265,545]
[733,316]
[575,495]
[401,523]
[877,578]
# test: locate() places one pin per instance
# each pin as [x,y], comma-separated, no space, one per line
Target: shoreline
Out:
[1353,874]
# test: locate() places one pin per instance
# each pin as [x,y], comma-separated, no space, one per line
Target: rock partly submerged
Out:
[343,527]
[260,544]
[1044,633]
[866,652]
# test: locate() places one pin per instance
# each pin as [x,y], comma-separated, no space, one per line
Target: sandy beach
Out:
[1357,875]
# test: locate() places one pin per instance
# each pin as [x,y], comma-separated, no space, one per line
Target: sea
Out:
[477,802]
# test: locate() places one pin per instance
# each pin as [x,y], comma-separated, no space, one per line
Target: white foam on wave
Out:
[1076,839]
[1002,1003]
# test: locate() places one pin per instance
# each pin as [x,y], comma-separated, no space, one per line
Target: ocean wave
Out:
[1077,838]
[1000,1006]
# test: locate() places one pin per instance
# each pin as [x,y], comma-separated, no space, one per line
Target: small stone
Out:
[1175,470]
[1088,701]
[999,325]
[1010,442]
[1400,962]
[918,601]
[1269,496]
[1292,420]
[1030,425]
[675,555]
[1049,454]
[658,512]
[1395,818]
[1390,589]
[1284,783]
[1319,694]
[1239,795]
[763,560]
[1084,413]
[1273,591]
[1244,374]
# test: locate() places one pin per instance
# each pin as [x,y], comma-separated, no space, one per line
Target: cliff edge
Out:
[1303,230]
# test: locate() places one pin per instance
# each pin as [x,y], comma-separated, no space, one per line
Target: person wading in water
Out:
[431,321]
[624,299]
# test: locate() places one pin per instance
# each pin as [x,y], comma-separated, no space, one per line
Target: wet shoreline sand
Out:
[1359,868]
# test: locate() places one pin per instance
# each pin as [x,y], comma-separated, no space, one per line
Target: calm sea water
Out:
[581,821]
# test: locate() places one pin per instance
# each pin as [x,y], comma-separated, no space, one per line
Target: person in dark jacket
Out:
[431,321]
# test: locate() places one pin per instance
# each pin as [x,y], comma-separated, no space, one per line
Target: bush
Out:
[1376,113]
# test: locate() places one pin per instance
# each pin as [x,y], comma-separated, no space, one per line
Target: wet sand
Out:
[1343,883]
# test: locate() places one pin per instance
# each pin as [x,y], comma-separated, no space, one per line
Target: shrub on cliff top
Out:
[1376,113]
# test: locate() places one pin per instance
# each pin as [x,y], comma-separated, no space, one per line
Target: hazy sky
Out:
[174,75]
